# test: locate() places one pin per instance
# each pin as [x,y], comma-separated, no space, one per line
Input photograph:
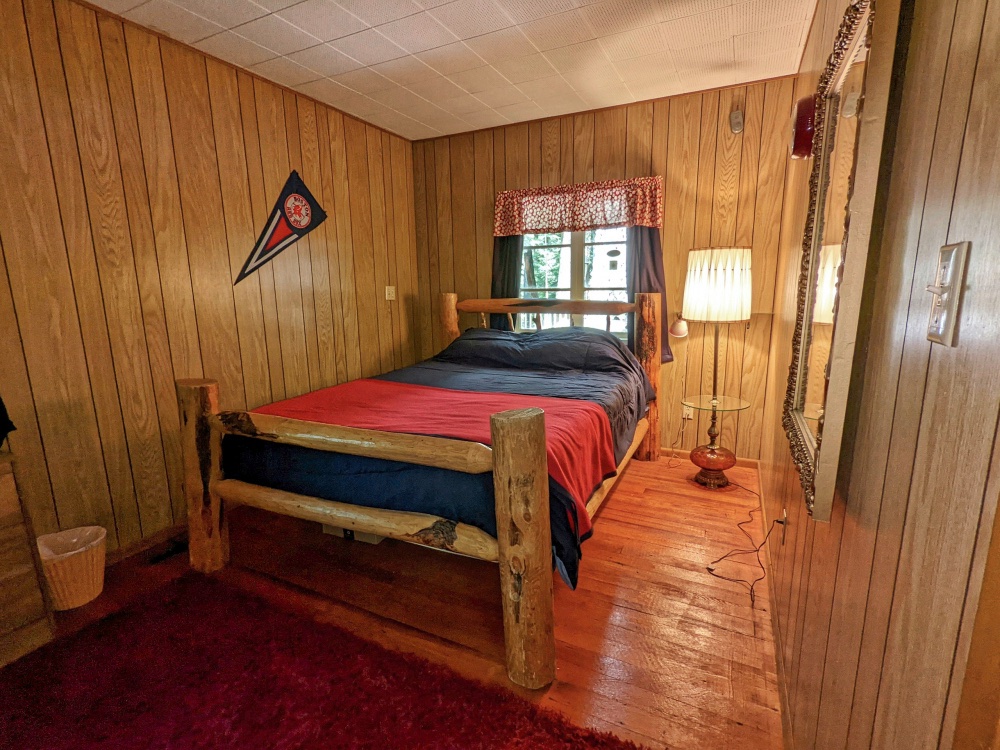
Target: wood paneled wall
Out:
[876,611]
[136,175]
[720,188]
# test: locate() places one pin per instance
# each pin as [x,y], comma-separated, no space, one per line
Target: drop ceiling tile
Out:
[522,11]
[277,34]
[325,60]
[488,118]
[375,12]
[399,98]
[469,18]
[417,33]
[501,97]
[405,70]
[522,111]
[588,80]
[658,89]
[369,47]
[235,49]
[173,20]
[582,56]
[559,30]
[754,67]
[428,4]
[634,43]
[436,88]
[615,16]
[323,19]
[325,90]
[659,63]
[479,79]
[609,97]
[364,81]
[358,105]
[680,8]
[698,30]
[772,40]
[118,6]
[451,58]
[529,68]
[446,123]
[461,105]
[708,59]
[275,5]
[666,79]
[562,105]
[284,71]
[501,44]
[543,89]
[228,14]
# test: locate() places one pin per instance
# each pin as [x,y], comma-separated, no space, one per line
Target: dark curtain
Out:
[645,274]
[507,260]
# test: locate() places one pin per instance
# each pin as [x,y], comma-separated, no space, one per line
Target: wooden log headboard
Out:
[648,346]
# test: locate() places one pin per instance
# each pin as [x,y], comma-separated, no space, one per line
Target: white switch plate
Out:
[947,290]
[390,293]
[688,413]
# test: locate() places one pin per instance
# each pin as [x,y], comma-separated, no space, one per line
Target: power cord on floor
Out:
[755,550]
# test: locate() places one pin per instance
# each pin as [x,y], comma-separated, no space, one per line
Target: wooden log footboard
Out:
[517,458]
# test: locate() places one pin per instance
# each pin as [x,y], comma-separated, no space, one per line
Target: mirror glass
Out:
[840,130]
[826,247]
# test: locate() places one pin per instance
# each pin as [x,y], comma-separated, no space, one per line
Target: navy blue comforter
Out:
[579,363]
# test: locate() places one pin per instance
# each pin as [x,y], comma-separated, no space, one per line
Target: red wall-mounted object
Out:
[803,128]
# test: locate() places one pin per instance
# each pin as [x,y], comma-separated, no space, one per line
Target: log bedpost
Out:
[201,446]
[524,541]
[449,317]
[648,349]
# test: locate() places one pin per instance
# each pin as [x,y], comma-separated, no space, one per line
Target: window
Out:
[575,265]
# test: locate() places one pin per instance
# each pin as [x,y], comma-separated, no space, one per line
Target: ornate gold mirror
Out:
[839,99]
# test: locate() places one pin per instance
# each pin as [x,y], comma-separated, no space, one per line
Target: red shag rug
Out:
[204,665]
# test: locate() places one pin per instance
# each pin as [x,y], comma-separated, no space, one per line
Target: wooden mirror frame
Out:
[817,470]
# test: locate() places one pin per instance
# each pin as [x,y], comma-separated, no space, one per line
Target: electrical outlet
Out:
[390,293]
[688,413]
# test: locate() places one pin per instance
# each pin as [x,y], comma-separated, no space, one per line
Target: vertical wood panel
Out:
[159,167]
[42,290]
[711,183]
[186,77]
[380,246]
[356,141]
[260,210]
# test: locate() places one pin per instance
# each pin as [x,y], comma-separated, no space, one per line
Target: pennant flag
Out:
[294,216]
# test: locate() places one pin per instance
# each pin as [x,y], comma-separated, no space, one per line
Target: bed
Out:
[548,421]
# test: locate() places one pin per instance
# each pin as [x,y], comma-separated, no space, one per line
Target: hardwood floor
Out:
[649,646]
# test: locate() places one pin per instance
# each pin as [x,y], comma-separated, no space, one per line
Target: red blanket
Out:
[578,433]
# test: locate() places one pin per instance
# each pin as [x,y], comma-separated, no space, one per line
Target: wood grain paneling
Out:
[878,638]
[157,167]
[711,180]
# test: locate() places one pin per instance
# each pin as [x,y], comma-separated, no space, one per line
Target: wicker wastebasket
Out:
[73,563]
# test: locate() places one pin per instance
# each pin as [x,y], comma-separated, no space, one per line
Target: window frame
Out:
[577,288]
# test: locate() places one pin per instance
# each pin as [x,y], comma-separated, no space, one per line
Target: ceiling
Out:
[423,68]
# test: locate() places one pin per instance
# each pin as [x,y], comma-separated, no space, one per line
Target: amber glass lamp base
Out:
[713,462]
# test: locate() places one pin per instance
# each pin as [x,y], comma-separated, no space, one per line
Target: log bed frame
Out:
[517,459]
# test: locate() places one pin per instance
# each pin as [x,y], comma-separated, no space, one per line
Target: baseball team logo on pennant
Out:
[295,215]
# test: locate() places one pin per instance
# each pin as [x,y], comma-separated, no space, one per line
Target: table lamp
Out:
[717,291]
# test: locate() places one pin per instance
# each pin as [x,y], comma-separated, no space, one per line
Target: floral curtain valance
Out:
[574,208]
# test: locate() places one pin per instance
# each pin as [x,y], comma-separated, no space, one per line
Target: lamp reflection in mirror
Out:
[826,284]
[717,290]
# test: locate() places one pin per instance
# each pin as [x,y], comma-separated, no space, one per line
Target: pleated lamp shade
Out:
[718,287]
[826,284]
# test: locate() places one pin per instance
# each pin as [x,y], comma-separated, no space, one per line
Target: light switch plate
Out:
[390,293]
[949,281]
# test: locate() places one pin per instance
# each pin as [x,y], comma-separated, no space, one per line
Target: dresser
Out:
[25,623]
